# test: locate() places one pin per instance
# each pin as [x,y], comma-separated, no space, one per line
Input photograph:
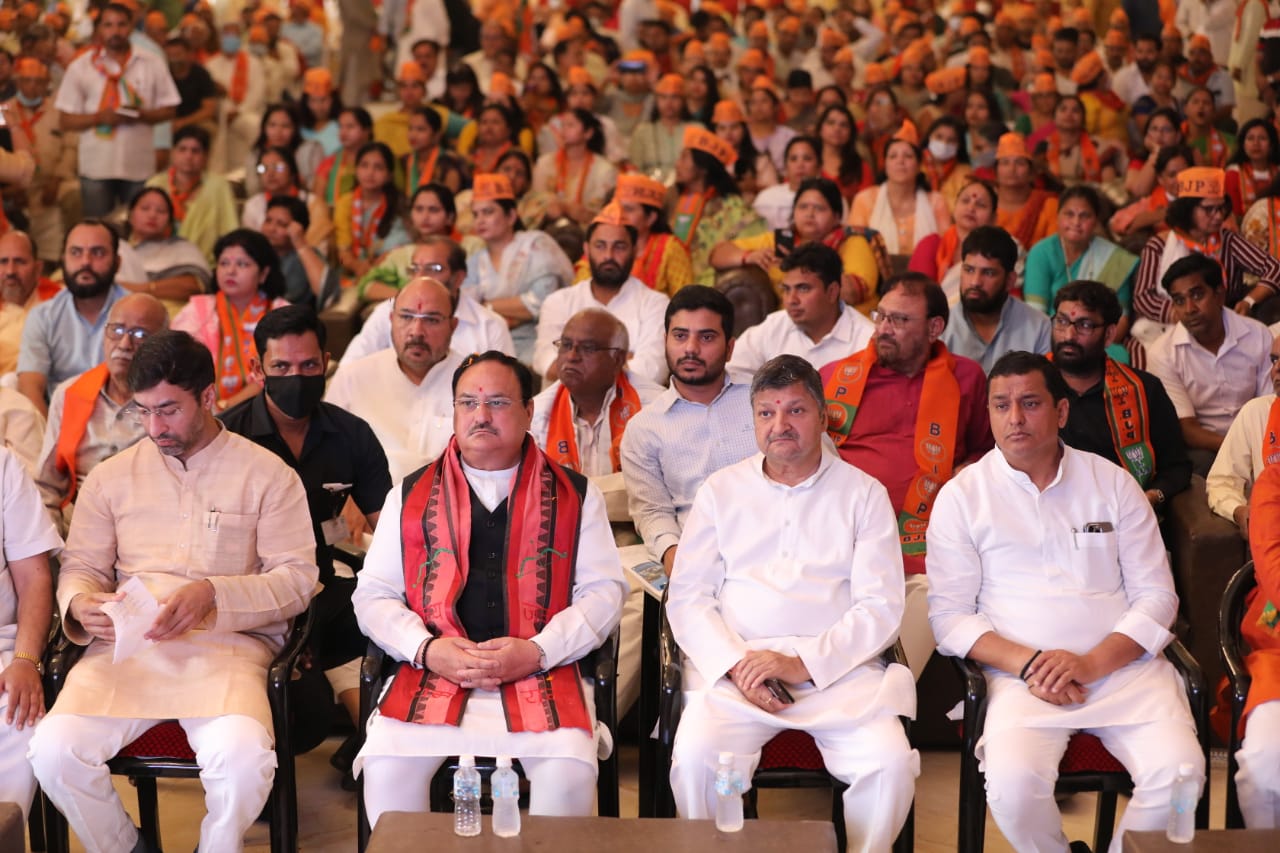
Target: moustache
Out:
[691,360]
[789,435]
[479,428]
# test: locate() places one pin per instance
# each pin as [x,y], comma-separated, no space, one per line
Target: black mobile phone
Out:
[779,691]
[784,240]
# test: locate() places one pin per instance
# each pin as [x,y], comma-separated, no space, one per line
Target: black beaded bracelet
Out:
[422,652]
[1026,666]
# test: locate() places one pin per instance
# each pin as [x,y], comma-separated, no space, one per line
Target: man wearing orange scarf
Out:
[579,419]
[243,80]
[909,413]
[87,423]
[492,574]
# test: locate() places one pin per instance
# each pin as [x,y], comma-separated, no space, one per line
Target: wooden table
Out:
[1206,841]
[404,832]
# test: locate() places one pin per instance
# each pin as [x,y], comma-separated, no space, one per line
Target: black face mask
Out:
[296,396]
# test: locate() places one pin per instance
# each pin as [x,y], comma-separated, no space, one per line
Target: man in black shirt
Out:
[337,457]
[1117,412]
[198,91]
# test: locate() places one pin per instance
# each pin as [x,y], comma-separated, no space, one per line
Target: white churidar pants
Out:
[1258,779]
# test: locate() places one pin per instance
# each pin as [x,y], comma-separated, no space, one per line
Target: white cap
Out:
[504,760]
[726,758]
[466,761]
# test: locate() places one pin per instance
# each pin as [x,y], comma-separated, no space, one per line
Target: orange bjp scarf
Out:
[562,438]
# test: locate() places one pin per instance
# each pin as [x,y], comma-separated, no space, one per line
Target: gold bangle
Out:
[31,659]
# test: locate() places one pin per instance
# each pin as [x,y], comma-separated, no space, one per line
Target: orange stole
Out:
[937,426]
[544,515]
[1271,441]
[562,438]
[82,396]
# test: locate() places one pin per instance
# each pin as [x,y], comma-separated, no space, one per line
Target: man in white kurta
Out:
[243,78]
[1046,566]
[26,602]
[217,530]
[610,250]
[400,757]
[789,567]
[813,322]
[404,392]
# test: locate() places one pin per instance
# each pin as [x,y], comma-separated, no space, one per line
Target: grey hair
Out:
[620,339]
[784,371]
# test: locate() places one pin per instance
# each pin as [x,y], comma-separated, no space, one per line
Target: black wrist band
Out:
[1026,666]
[422,653]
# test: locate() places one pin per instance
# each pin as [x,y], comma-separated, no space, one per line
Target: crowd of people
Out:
[867,322]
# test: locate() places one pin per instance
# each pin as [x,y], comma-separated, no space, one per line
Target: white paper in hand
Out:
[132,617]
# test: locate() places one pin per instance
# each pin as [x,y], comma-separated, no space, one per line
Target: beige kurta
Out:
[236,514]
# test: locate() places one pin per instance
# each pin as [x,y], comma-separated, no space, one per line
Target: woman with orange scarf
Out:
[366,221]
[841,161]
[938,255]
[576,178]
[1212,146]
[945,161]
[1028,214]
[337,172]
[1254,165]
[249,284]
[203,204]
[1069,151]
[655,144]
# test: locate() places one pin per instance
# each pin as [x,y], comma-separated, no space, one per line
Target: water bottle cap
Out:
[1186,769]
[504,760]
[466,761]
[726,758]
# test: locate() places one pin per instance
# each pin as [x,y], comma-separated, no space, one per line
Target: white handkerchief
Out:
[132,617]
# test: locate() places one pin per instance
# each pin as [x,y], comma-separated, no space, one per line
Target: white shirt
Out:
[222,69]
[670,449]
[413,423]
[1212,387]
[812,570]
[1128,83]
[598,584]
[25,531]
[1009,558]
[1213,18]
[479,329]
[1239,460]
[595,441]
[778,335]
[128,153]
[640,308]
[774,205]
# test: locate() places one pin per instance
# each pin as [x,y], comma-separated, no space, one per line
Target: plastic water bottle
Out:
[506,799]
[466,797]
[1182,806]
[728,795]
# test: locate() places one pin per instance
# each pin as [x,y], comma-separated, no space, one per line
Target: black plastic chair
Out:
[163,751]
[1086,765]
[602,667]
[1233,650]
[790,759]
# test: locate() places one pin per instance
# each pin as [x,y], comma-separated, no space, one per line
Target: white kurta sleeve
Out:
[693,606]
[955,575]
[1144,565]
[878,590]
[1232,470]
[599,589]
[550,324]
[381,610]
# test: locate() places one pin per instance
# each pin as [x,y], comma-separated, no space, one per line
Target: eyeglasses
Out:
[495,405]
[1209,210]
[586,348]
[116,331]
[897,321]
[431,320]
[1084,325]
[278,168]
[426,269]
[141,415]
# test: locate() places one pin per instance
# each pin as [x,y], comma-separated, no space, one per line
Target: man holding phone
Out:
[117,94]
[787,588]
[1046,566]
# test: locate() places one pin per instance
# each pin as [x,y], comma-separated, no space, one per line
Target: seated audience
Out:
[204,206]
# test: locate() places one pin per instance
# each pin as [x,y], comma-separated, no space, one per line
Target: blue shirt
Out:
[58,342]
[1021,327]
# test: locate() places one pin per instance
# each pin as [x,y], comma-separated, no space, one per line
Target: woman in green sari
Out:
[1076,252]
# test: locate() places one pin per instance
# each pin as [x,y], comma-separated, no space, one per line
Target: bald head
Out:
[19,269]
[132,319]
[422,324]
